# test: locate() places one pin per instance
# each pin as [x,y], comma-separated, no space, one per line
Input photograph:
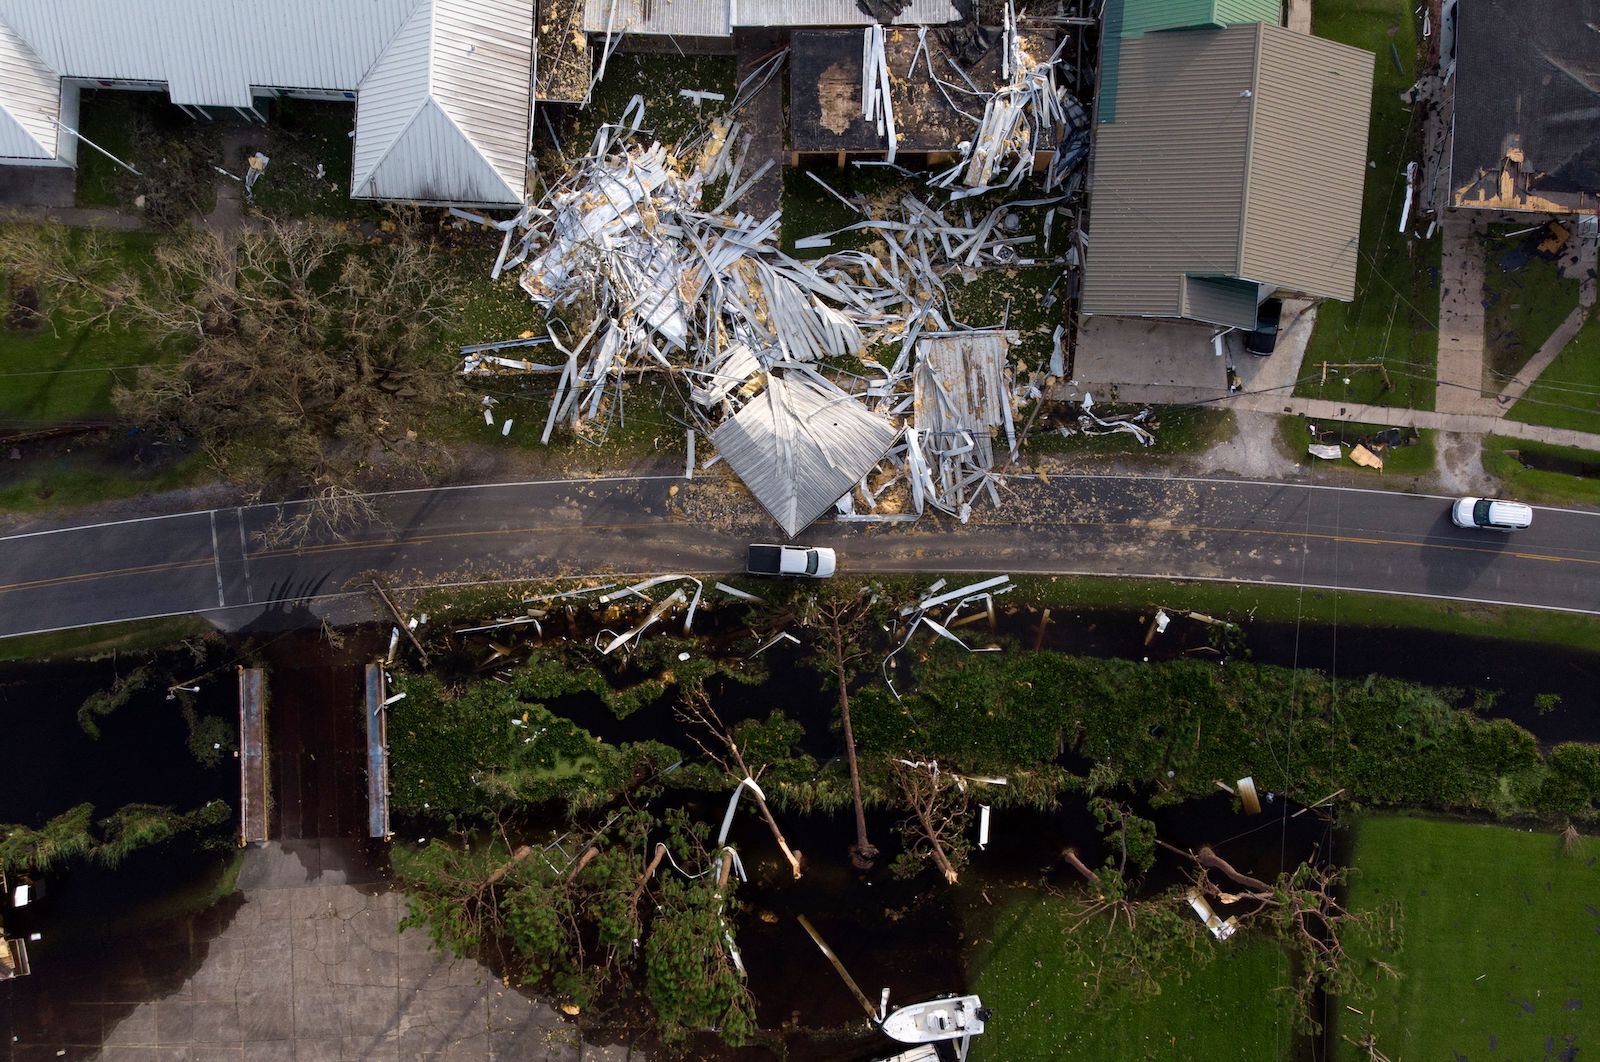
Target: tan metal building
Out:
[1228,164]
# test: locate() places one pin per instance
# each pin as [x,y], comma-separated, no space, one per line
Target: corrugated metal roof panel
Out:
[1235,12]
[838,13]
[676,18]
[390,96]
[1262,154]
[1146,16]
[431,161]
[482,71]
[1308,164]
[1221,300]
[30,101]
[1168,176]
[209,51]
[801,445]
[961,385]
[717,18]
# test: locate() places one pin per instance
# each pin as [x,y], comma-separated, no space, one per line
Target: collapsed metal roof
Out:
[802,444]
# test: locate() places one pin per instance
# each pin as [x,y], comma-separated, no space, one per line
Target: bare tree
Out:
[935,829]
[311,357]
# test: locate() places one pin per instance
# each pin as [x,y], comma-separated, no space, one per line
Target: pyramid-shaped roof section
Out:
[31,104]
[443,114]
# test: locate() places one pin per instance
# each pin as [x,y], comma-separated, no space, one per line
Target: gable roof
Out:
[443,113]
[31,106]
[1264,134]
[442,86]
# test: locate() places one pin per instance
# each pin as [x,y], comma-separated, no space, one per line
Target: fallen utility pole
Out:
[401,621]
[850,982]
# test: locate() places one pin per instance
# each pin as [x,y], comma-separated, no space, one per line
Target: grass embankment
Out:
[1523,306]
[1540,484]
[1242,602]
[1497,959]
[1235,1007]
[106,639]
[1417,458]
[1393,318]
[1567,394]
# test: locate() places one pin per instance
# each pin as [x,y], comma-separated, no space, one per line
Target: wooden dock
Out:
[377,753]
[252,757]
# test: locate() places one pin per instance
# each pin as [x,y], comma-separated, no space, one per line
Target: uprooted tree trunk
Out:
[695,707]
[1302,909]
[933,831]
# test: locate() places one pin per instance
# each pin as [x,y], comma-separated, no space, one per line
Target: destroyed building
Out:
[1228,162]
[935,77]
[441,87]
[1526,106]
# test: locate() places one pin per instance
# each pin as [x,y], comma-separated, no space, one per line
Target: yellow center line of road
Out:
[391,542]
[143,569]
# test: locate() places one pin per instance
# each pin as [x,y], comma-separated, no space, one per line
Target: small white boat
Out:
[951,1018]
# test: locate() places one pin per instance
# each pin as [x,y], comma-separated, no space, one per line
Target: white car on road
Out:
[1490,513]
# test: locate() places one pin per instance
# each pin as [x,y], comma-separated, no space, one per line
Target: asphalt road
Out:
[213,562]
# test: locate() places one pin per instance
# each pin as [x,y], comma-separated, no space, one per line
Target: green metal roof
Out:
[1134,18]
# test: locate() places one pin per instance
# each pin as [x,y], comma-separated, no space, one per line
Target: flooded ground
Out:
[119,944]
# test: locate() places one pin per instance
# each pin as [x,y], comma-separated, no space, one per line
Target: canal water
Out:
[152,918]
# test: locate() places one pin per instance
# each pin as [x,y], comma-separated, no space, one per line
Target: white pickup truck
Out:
[801,562]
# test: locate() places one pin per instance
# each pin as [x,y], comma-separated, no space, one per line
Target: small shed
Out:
[962,393]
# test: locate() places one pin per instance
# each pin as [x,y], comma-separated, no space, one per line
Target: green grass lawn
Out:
[83,478]
[668,115]
[1567,394]
[1394,317]
[1235,1007]
[1240,602]
[58,373]
[1416,459]
[119,122]
[1539,484]
[1498,959]
[299,136]
[1524,307]
[107,639]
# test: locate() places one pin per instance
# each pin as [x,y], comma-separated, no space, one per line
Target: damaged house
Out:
[1228,160]
[934,77]
[1526,129]
[441,87]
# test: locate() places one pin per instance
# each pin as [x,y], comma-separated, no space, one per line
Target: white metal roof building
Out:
[442,87]
[719,18]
